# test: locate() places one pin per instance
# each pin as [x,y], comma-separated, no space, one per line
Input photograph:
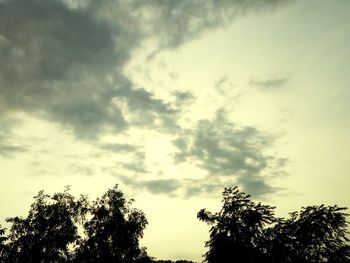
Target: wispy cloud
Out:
[155,186]
[229,153]
[119,147]
[177,22]
[9,144]
[137,164]
[270,83]
[9,149]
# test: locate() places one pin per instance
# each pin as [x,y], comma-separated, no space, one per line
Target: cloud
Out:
[179,21]
[182,96]
[54,60]
[141,108]
[183,99]
[257,185]
[270,83]
[87,116]
[46,41]
[9,144]
[119,147]
[155,186]
[167,186]
[8,150]
[63,59]
[221,82]
[58,60]
[229,154]
[223,148]
[137,165]
[208,186]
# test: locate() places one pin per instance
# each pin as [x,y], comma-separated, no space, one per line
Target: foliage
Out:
[3,246]
[44,235]
[236,229]
[62,228]
[315,234]
[50,232]
[114,230]
[169,261]
[247,232]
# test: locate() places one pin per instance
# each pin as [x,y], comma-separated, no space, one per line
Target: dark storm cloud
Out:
[88,116]
[270,83]
[56,55]
[64,61]
[45,41]
[54,60]
[228,153]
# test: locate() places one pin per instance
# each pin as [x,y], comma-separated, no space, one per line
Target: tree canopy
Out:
[243,231]
[110,230]
[3,247]
[114,230]
[62,228]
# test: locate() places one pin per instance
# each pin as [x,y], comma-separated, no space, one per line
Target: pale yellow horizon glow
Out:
[283,72]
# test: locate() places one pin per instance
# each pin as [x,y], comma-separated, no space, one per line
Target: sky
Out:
[173,101]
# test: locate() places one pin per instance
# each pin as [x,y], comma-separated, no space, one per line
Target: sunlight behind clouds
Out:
[174,100]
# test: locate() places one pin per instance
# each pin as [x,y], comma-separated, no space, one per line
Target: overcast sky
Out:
[175,100]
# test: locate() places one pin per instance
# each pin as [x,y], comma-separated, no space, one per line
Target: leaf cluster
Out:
[243,231]
[61,228]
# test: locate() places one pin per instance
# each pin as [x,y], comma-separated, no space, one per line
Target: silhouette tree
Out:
[47,231]
[169,261]
[3,246]
[242,231]
[315,234]
[143,257]
[236,229]
[113,232]
[183,261]
[247,232]
[50,233]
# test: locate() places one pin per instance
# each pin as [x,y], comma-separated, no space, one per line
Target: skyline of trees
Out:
[243,231]
[63,228]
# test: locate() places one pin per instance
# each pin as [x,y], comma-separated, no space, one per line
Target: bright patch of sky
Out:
[174,101]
